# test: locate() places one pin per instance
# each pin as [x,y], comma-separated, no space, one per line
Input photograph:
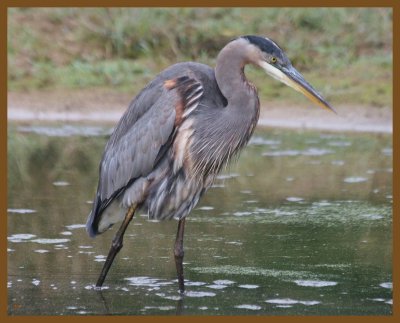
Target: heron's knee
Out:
[178,252]
[117,244]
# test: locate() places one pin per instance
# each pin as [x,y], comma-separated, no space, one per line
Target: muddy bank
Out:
[101,105]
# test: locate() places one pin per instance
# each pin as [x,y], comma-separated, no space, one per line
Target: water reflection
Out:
[300,225]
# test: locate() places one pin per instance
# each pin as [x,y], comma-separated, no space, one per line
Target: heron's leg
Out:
[178,253]
[116,245]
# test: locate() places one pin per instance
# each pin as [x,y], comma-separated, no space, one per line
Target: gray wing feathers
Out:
[143,135]
[133,153]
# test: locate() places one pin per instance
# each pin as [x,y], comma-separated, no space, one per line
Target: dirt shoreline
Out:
[107,106]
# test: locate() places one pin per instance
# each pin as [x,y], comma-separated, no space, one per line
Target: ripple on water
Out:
[312,151]
[382,300]
[355,179]
[281,153]
[190,283]
[339,143]
[36,282]
[161,308]
[217,286]
[372,216]
[248,286]
[223,282]
[282,301]
[206,208]
[288,275]
[227,176]
[41,250]
[199,294]
[289,301]
[237,243]
[315,283]
[321,204]
[337,162]
[50,241]
[100,258]
[94,287]
[294,199]
[387,151]
[20,237]
[21,211]
[317,152]
[249,307]
[255,140]
[244,213]
[71,307]
[75,226]
[144,281]
[278,212]
[388,285]
[65,130]
[61,183]
[171,297]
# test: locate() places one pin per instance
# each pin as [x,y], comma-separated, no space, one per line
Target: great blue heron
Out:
[178,133]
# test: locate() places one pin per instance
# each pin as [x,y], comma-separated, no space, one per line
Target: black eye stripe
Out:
[266,45]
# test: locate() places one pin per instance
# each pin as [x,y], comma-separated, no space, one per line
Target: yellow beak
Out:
[291,77]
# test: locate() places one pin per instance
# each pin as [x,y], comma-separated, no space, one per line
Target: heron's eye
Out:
[273,59]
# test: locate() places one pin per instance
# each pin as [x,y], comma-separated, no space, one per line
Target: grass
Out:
[344,52]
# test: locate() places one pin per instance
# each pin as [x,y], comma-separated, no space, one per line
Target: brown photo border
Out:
[5,4]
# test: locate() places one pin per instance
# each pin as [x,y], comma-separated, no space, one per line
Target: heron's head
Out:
[275,62]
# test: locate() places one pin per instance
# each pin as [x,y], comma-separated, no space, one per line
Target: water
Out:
[301,225]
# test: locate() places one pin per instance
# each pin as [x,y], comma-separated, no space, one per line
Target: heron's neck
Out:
[229,73]
[241,114]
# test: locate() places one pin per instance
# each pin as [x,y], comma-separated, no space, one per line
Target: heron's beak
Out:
[291,77]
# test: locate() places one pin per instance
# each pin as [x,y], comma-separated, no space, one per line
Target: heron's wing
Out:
[143,135]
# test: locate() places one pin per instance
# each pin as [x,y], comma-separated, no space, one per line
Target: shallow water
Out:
[300,225]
